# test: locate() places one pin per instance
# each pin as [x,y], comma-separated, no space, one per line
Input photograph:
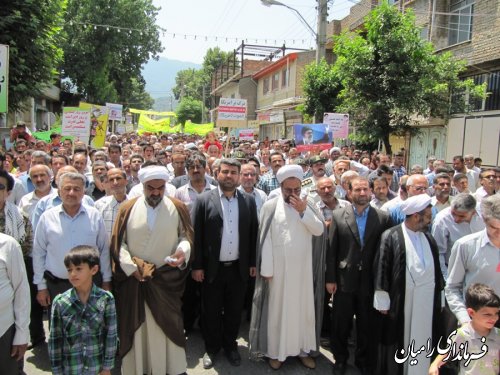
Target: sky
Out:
[193,26]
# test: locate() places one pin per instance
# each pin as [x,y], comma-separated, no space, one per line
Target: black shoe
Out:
[208,361]
[36,343]
[233,357]
[339,369]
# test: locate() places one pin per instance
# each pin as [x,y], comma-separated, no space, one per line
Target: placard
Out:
[311,136]
[76,122]
[338,124]
[4,78]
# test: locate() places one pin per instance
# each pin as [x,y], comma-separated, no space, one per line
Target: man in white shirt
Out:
[475,259]
[14,305]
[40,176]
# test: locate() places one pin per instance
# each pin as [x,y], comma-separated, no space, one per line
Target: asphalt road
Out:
[37,361]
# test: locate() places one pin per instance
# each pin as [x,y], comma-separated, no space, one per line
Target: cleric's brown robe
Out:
[162,292]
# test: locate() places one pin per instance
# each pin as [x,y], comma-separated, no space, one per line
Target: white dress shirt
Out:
[445,231]
[14,291]
[474,259]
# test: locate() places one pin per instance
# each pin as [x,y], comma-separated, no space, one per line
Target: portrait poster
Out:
[312,136]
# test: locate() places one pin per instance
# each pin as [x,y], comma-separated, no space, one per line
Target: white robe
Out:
[419,298]
[287,257]
[152,351]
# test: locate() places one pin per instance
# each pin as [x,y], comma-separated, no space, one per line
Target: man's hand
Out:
[180,258]
[105,372]
[106,285]
[331,288]
[253,271]
[383,312]
[198,275]
[138,276]
[298,204]
[43,297]
[17,351]
[267,278]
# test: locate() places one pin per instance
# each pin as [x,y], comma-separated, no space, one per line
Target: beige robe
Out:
[287,257]
[152,352]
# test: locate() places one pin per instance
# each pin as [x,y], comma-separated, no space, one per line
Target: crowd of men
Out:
[190,231]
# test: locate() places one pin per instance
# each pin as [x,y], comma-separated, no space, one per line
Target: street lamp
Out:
[320,35]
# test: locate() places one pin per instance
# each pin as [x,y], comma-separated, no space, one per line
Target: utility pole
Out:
[321,33]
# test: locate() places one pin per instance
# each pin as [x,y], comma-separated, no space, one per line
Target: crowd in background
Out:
[37,176]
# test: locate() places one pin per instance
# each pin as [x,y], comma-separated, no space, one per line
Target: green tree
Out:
[189,109]
[32,30]
[321,86]
[138,97]
[391,78]
[192,82]
[189,82]
[104,62]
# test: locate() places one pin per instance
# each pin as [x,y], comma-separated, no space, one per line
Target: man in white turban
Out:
[150,246]
[408,285]
[283,320]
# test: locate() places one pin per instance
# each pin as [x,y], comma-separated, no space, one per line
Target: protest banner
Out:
[76,122]
[311,136]
[232,113]
[4,78]
[98,123]
[246,134]
[338,124]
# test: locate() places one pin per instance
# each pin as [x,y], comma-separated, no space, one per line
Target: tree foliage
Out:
[192,82]
[32,30]
[189,109]
[389,78]
[321,87]
[104,63]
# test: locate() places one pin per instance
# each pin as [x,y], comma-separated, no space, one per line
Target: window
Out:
[284,77]
[460,27]
[492,101]
[265,86]
[275,82]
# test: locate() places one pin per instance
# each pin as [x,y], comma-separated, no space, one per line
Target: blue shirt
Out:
[361,222]
[50,201]
[57,233]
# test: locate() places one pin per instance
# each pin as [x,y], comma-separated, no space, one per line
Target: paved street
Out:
[37,362]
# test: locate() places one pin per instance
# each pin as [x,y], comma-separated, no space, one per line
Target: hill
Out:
[160,79]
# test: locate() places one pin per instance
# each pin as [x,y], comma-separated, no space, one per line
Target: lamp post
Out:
[320,34]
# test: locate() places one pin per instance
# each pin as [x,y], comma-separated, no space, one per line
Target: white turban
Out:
[287,171]
[415,204]
[154,172]
[334,149]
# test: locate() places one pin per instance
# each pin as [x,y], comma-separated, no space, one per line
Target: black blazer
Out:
[207,221]
[349,264]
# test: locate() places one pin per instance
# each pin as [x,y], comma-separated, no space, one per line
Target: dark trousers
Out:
[37,333]
[9,366]
[222,305]
[345,306]
[191,303]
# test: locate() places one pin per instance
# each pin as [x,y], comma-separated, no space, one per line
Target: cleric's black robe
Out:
[390,276]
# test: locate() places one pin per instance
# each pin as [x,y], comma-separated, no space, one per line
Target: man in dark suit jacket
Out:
[225,225]
[353,238]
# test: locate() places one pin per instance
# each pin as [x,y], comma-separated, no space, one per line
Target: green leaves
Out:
[32,30]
